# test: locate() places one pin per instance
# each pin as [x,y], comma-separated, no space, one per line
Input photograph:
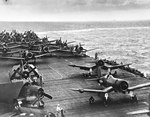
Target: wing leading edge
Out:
[139,86]
[106,90]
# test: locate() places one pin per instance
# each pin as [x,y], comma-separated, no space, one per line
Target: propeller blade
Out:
[47,95]
[37,99]
[32,69]
[15,71]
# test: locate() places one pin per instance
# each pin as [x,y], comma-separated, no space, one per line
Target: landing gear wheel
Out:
[105,103]
[91,100]
[15,104]
[41,104]
[134,99]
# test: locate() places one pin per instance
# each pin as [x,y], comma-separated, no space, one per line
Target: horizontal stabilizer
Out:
[117,66]
[93,61]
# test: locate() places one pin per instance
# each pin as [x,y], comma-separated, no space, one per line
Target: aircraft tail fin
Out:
[96,56]
[99,72]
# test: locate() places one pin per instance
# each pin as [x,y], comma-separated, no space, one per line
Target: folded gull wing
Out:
[81,66]
[111,67]
[46,52]
[64,50]
[139,112]
[41,55]
[117,66]
[36,51]
[12,52]
[14,58]
[17,46]
[139,86]
[106,90]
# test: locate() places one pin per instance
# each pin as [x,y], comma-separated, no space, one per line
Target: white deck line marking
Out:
[55,71]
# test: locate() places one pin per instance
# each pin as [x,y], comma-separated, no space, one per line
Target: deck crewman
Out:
[60,111]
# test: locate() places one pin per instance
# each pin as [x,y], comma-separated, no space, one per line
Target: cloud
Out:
[122,3]
[40,9]
[54,6]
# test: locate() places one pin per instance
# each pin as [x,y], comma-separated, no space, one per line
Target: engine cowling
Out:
[121,85]
[81,90]
[118,84]
[45,49]
[5,50]
[25,74]
[30,92]
[30,55]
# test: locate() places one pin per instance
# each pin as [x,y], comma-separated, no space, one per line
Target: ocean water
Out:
[127,42]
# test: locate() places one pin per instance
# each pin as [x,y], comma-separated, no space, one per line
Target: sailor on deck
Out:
[60,111]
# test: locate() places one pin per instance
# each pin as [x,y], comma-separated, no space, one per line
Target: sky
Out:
[74,10]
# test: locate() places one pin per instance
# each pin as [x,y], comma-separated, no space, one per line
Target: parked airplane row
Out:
[33,50]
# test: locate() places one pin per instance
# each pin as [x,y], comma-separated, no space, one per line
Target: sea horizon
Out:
[42,26]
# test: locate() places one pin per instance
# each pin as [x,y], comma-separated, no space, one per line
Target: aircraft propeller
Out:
[41,95]
[24,74]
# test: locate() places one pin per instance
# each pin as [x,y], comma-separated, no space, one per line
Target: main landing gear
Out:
[91,100]
[105,100]
[133,97]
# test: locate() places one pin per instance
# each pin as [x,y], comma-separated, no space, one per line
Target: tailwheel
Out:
[91,100]
[105,103]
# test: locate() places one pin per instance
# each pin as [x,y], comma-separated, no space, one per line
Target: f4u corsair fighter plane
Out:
[93,70]
[20,91]
[5,50]
[112,84]
[26,55]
